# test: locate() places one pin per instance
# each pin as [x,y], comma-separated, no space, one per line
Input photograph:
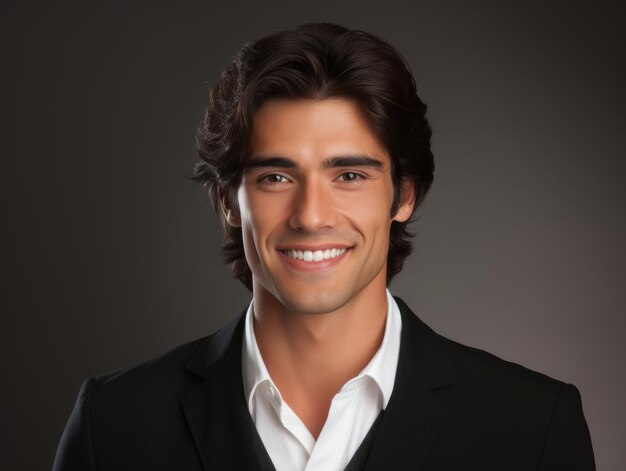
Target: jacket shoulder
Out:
[168,365]
[486,371]
[500,411]
[473,368]
[129,413]
[161,379]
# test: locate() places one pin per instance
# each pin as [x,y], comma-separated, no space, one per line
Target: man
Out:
[316,151]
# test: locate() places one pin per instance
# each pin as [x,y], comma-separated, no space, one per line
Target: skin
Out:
[316,178]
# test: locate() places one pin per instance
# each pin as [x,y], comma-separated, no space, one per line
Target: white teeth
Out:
[314,256]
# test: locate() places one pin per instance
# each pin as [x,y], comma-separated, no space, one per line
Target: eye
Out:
[273,178]
[350,177]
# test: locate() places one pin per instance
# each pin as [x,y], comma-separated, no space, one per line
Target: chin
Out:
[310,302]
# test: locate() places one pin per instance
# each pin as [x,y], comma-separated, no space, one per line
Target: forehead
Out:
[309,129]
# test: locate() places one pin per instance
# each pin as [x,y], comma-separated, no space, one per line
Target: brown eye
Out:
[350,177]
[273,178]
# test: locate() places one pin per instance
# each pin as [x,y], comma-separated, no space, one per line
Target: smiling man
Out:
[315,151]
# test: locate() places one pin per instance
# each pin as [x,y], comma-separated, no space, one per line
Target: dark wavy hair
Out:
[314,61]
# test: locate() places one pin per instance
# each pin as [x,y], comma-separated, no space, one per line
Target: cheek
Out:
[259,220]
[370,212]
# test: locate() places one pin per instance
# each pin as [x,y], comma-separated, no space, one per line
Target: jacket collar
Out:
[220,424]
[415,415]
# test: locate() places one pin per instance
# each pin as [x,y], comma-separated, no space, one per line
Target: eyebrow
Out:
[260,162]
[333,162]
[353,161]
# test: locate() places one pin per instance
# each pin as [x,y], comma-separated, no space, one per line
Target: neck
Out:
[311,356]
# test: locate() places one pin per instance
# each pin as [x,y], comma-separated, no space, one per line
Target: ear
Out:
[233,218]
[407,201]
[229,211]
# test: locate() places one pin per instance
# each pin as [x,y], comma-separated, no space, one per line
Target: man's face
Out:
[314,205]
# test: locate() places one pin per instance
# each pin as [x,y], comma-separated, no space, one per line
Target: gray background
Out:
[111,256]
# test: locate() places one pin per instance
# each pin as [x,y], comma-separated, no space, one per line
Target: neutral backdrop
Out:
[110,255]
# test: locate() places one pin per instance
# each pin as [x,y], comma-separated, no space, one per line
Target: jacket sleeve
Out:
[75,450]
[568,443]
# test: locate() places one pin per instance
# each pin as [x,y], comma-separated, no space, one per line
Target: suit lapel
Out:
[216,412]
[415,416]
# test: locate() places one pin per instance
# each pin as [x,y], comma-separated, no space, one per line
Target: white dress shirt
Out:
[352,412]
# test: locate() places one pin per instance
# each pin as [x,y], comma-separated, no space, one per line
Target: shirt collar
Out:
[381,368]
[253,366]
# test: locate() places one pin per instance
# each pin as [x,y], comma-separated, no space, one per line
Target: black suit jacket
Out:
[452,408]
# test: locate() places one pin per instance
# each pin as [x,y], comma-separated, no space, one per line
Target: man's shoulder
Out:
[168,364]
[136,415]
[169,373]
[476,364]
[487,373]
[477,373]
[496,412]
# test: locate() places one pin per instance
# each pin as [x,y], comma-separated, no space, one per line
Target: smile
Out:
[314,255]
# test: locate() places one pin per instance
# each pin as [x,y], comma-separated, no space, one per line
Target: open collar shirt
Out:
[352,412]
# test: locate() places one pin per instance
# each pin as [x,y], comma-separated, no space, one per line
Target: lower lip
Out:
[313,267]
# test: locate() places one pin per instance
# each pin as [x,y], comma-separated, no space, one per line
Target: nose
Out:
[313,209]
